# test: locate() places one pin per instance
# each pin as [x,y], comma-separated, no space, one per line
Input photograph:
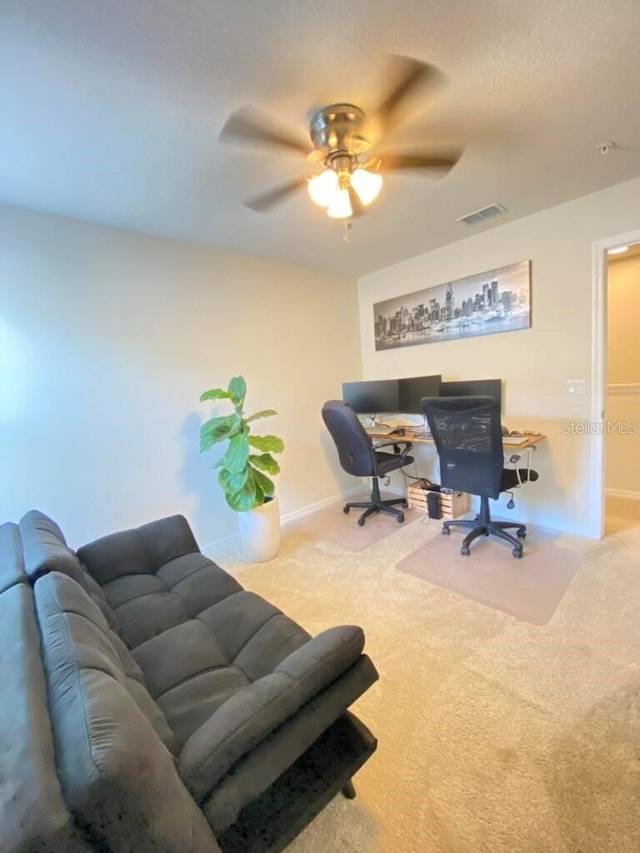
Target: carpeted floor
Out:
[495,736]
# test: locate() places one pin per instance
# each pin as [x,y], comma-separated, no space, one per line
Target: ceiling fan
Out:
[345,144]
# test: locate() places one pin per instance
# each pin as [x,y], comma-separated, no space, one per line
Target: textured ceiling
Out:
[110,112]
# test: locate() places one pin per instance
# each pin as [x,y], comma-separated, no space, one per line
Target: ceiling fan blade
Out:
[408,77]
[435,162]
[357,206]
[251,126]
[266,200]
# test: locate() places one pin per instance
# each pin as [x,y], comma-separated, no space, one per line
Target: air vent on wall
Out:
[485,213]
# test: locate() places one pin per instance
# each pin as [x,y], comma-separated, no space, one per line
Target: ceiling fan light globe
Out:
[323,187]
[366,184]
[340,207]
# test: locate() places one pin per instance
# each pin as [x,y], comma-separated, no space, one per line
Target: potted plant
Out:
[243,475]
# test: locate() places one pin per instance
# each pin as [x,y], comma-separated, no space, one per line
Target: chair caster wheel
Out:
[405,504]
[446,531]
[345,509]
[511,505]
[464,550]
[517,552]
[400,518]
[361,522]
[521,534]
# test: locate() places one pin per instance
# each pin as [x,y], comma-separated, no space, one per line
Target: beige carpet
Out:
[495,735]
[529,588]
[333,525]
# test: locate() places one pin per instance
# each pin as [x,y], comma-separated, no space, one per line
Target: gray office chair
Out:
[468,437]
[358,457]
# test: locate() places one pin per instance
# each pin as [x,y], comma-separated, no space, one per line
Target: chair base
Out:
[376,504]
[483,525]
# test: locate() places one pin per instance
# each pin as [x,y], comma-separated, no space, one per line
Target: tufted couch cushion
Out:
[255,711]
[155,578]
[226,647]
[96,646]
[117,775]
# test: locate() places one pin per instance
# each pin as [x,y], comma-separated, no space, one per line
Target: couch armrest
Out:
[255,711]
[11,558]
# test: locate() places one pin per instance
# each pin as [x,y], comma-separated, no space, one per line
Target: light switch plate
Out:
[576,387]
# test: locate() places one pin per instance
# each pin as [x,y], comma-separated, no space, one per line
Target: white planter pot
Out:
[260,531]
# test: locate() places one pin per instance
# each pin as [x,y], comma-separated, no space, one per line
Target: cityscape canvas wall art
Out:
[482,304]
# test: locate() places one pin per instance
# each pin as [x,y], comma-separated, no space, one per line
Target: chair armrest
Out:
[395,444]
[256,710]
[529,478]
[513,460]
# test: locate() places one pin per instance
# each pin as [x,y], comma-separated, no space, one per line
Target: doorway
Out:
[615,450]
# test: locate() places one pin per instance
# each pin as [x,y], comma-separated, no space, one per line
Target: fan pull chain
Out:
[348,224]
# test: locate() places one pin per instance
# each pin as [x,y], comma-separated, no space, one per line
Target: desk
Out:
[525,442]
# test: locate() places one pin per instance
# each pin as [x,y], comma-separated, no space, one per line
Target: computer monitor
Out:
[412,390]
[371,398]
[473,388]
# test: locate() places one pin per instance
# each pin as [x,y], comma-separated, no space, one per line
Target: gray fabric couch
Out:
[149,703]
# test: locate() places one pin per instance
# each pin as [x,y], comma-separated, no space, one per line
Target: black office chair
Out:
[468,437]
[359,457]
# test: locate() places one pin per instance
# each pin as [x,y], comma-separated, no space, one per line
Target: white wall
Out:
[535,363]
[107,339]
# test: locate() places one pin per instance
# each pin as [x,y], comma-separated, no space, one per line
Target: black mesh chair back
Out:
[354,446]
[468,436]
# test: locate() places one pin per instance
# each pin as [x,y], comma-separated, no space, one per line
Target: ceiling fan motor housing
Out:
[334,129]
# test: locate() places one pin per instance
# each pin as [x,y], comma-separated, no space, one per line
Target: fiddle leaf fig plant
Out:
[243,473]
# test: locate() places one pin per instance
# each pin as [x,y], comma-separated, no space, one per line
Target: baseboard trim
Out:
[233,540]
[314,507]
[623,493]
[624,388]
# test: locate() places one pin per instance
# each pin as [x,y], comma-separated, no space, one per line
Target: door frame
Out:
[599,373]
